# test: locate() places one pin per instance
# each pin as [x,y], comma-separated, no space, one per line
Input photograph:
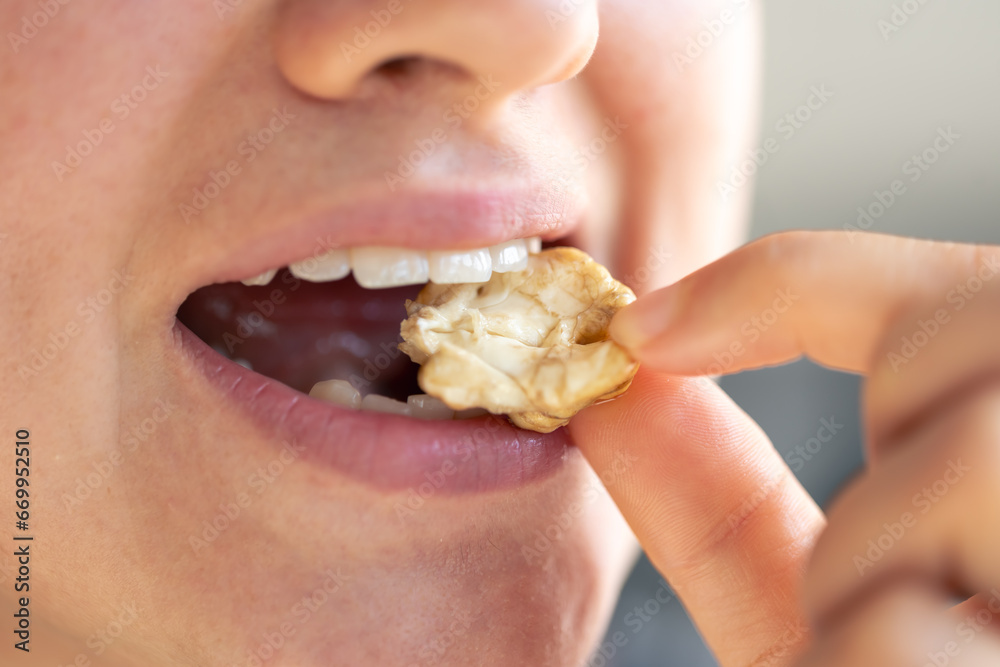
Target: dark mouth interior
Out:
[301,333]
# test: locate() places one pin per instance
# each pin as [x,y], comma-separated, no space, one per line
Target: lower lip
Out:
[389,452]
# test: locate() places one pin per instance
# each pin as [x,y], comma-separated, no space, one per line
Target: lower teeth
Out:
[421,406]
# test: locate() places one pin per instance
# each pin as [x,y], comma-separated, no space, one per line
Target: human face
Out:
[189,511]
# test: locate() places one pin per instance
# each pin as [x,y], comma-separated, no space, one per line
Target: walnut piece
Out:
[530,344]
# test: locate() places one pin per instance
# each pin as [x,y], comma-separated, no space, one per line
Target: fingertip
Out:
[641,324]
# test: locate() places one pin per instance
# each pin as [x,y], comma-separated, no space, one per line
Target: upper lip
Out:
[433,219]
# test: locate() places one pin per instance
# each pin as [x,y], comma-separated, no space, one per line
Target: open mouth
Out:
[328,325]
[309,353]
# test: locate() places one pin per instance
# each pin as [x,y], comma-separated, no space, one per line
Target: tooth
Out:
[376,403]
[337,391]
[262,279]
[470,413]
[463,266]
[423,406]
[329,266]
[376,267]
[244,363]
[535,245]
[509,256]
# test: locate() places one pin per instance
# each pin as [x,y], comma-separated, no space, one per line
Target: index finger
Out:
[715,507]
[827,295]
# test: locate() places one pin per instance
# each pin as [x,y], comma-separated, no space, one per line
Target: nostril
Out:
[333,50]
[404,69]
[396,68]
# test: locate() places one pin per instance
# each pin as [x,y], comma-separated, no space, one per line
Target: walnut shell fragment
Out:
[530,344]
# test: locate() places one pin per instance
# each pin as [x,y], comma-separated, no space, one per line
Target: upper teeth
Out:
[262,279]
[376,267]
[332,265]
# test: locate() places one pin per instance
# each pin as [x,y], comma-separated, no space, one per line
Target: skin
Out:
[768,579]
[66,233]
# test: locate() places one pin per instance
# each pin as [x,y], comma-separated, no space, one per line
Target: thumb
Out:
[716,508]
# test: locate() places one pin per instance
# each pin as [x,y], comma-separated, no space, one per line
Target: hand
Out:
[722,517]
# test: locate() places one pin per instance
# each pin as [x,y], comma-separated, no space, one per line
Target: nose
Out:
[327,47]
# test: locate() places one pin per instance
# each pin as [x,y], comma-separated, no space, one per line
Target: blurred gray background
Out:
[892,91]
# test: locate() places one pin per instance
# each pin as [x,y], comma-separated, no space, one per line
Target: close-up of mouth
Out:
[558,333]
[329,325]
[309,351]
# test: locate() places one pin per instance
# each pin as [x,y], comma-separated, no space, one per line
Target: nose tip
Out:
[325,48]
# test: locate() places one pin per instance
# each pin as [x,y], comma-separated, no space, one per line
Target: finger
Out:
[931,357]
[976,614]
[928,511]
[906,624]
[827,295]
[715,507]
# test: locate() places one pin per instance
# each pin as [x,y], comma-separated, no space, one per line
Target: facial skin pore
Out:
[116,113]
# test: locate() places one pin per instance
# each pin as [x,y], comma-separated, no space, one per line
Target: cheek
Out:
[684,120]
[87,95]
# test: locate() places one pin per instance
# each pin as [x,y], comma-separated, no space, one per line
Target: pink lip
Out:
[388,452]
[440,220]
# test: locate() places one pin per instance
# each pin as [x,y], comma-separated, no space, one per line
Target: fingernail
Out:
[642,322]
